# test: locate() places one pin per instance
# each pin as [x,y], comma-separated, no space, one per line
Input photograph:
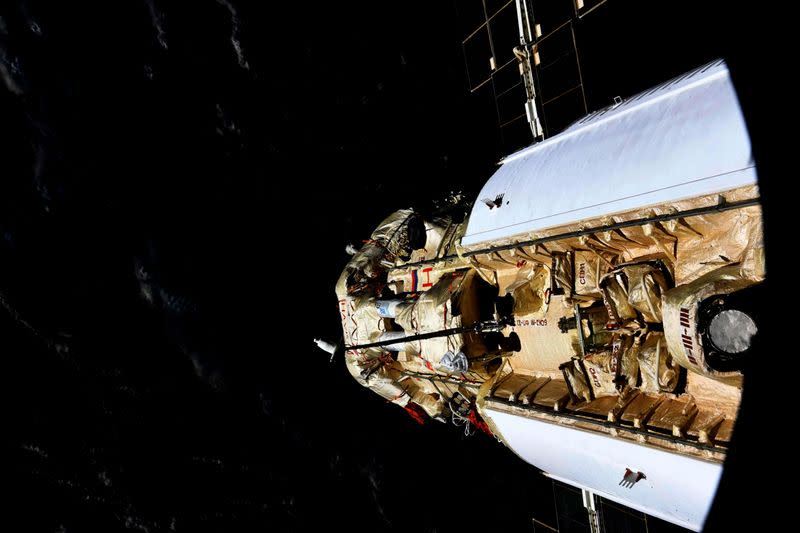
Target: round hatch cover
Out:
[731,331]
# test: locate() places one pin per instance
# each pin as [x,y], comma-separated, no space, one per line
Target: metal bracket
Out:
[590,504]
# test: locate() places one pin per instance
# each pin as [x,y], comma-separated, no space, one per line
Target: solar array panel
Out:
[491,31]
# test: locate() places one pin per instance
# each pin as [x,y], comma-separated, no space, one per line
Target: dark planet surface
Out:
[179,181]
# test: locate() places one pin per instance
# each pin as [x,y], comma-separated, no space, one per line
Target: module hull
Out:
[570,314]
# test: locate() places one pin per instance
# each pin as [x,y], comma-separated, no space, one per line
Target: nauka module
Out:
[593,309]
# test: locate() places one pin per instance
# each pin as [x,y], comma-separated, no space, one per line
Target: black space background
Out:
[133,133]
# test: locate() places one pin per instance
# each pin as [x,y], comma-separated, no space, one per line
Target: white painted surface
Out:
[677,488]
[683,139]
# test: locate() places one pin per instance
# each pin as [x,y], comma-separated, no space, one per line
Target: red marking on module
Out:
[685,317]
[427,272]
[594,377]
[351,314]
[345,315]
[688,345]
